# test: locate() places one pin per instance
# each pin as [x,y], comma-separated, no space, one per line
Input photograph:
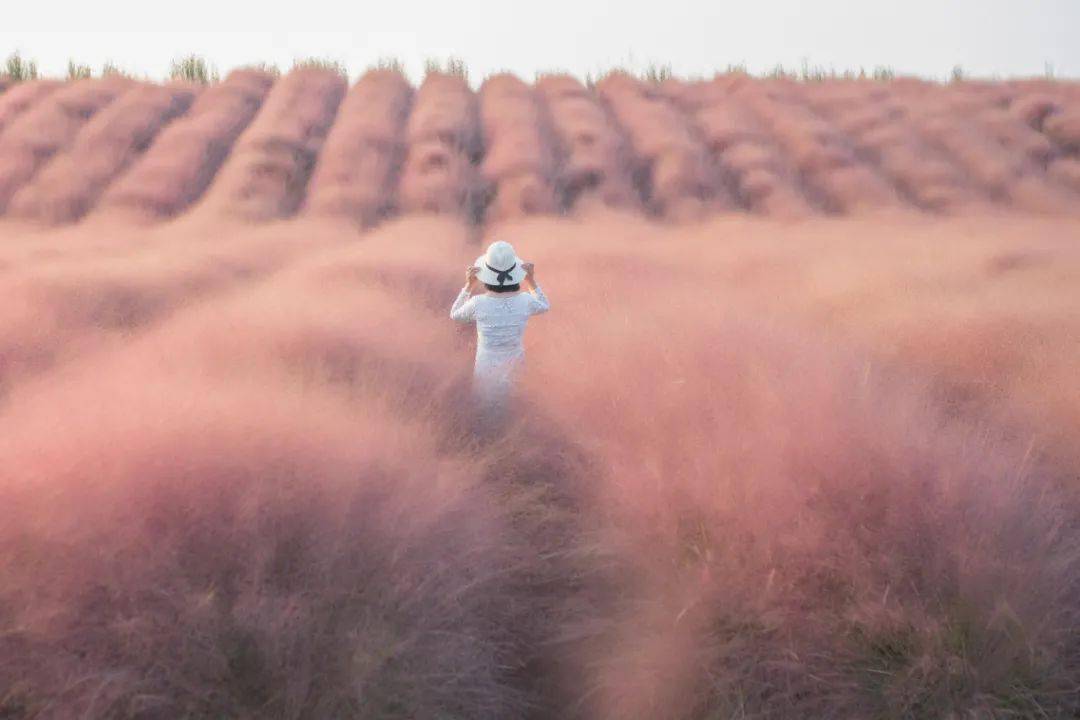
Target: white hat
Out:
[500,265]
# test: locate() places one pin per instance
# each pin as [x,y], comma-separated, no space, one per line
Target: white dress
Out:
[500,325]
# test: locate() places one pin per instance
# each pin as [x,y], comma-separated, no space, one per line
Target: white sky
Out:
[925,37]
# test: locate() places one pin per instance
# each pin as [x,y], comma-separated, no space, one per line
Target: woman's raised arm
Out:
[464,309]
[538,300]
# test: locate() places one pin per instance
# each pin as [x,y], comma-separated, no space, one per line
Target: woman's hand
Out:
[528,268]
[470,277]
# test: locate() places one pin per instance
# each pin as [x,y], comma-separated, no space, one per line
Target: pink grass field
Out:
[799,437]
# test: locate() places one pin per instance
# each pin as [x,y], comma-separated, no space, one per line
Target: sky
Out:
[1005,38]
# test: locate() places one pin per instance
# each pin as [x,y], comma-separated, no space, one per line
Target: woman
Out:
[500,315]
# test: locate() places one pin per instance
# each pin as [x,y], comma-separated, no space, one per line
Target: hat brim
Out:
[491,278]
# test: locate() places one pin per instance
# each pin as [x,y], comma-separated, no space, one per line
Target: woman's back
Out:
[500,326]
[501,320]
